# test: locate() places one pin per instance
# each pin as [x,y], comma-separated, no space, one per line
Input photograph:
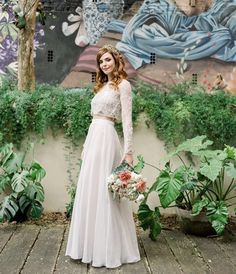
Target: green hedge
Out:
[177,112]
[185,111]
[49,107]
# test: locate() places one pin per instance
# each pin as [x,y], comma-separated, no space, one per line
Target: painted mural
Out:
[92,20]
[8,41]
[170,41]
[163,41]
[160,27]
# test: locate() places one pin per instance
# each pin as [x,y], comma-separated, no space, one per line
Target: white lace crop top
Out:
[116,104]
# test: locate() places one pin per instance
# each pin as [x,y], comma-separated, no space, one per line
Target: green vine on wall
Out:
[185,111]
[179,112]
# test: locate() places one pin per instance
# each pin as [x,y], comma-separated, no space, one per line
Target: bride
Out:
[102,230]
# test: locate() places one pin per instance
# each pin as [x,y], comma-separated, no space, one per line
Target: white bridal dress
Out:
[102,230]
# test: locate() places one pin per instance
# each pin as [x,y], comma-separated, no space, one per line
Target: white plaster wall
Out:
[52,155]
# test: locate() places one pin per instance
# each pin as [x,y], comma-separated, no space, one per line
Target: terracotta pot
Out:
[195,225]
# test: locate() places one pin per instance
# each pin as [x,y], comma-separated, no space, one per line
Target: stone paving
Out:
[35,249]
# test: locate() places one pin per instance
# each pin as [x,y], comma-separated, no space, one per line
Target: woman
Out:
[102,230]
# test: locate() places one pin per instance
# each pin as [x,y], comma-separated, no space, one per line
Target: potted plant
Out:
[205,188]
[20,182]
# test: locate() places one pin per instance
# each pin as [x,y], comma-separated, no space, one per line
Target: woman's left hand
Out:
[128,158]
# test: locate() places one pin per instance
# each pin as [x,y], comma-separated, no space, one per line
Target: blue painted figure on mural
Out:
[160,28]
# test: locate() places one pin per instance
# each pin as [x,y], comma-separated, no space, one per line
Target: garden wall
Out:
[53,155]
[61,163]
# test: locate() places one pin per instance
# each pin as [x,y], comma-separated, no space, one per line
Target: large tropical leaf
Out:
[8,208]
[212,154]
[190,179]
[190,185]
[199,205]
[35,192]
[37,172]
[4,182]
[24,203]
[217,214]
[194,145]
[13,163]
[150,219]
[5,152]
[35,210]
[211,168]
[168,185]
[20,181]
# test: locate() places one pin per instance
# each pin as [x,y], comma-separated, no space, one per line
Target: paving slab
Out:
[44,253]
[159,255]
[65,264]
[140,267]
[214,256]
[6,233]
[185,252]
[41,250]
[227,244]
[103,270]
[17,249]
[230,249]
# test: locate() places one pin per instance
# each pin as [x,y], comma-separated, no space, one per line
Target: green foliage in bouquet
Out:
[21,185]
[125,166]
[208,186]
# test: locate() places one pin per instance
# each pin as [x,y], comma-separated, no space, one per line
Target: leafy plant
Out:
[71,189]
[198,188]
[177,112]
[183,111]
[21,184]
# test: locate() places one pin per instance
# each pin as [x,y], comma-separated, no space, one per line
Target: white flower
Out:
[140,198]
[136,176]
[111,178]
[133,175]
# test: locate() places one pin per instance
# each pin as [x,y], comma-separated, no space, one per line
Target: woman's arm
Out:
[126,115]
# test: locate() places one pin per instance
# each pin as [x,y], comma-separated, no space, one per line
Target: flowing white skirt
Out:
[102,230]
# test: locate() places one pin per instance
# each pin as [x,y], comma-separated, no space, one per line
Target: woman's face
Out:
[107,63]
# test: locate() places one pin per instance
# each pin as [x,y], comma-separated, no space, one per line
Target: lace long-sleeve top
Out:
[116,104]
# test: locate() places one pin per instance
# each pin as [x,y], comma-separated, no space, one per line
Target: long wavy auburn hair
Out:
[118,73]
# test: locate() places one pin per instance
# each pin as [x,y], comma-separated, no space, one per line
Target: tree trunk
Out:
[26,72]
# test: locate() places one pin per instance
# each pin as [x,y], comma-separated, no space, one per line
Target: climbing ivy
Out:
[177,112]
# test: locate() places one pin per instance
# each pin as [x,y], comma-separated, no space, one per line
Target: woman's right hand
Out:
[128,158]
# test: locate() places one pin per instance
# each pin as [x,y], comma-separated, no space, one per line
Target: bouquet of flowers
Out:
[124,182]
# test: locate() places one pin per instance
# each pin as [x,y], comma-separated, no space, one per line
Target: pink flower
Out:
[140,186]
[125,176]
